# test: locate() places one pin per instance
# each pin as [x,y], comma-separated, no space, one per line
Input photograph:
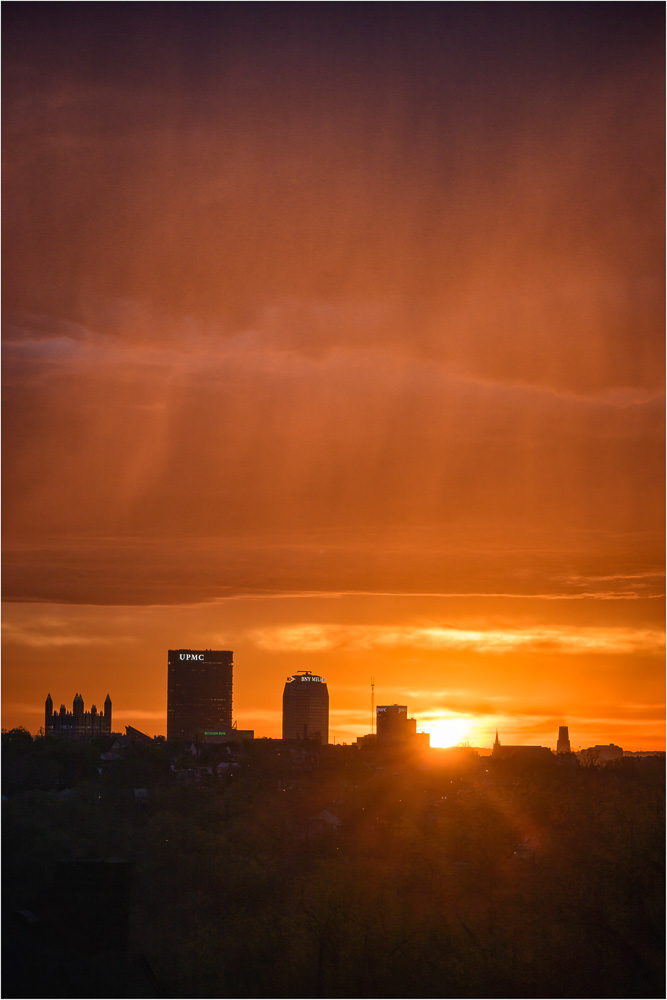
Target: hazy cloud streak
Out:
[315,638]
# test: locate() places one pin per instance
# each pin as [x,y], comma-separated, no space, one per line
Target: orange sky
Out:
[334,336]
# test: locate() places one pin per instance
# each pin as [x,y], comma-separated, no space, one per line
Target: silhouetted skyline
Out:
[200,711]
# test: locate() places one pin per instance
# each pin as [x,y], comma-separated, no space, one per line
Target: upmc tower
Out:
[306,708]
[199,693]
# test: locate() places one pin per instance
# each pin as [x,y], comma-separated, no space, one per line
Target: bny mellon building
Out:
[306,708]
[199,694]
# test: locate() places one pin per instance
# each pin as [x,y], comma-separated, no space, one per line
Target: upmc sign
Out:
[201,655]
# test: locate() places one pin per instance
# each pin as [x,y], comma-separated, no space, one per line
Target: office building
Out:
[393,726]
[199,695]
[306,708]
[77,723]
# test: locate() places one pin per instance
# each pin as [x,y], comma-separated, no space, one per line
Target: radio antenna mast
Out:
[372,705]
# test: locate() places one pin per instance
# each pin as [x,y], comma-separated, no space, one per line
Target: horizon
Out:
[446,731]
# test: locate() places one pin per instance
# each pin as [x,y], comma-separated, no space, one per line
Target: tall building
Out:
[563,745]
[77,723]
[393,724]
[395,727]
[199,694]
[306,707]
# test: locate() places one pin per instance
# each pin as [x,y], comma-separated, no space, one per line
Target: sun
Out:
[447,732]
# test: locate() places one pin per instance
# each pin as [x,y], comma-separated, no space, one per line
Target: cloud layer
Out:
[548,639]
[357,300]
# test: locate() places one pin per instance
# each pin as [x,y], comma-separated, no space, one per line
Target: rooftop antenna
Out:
[372,705]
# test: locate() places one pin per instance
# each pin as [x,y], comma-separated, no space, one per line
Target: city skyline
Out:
[335,336]
[199,696]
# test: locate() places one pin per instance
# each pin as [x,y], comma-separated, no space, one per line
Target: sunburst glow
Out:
[447,732]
